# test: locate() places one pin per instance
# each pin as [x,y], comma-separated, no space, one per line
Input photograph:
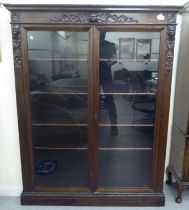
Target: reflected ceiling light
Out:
[31,37]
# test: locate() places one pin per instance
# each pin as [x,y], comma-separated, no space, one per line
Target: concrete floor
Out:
[13,203]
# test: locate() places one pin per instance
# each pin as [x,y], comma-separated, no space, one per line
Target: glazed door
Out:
[59,71]
[93,95]
[128,74]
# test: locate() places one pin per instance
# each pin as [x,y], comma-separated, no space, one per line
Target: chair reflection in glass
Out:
[108,57]
[145,105]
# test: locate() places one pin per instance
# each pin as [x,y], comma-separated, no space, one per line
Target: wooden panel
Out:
[129,199]
[186,161]
[57,7]
[179,154]
[92,143]
[181,105]
[177,151]
[188,125]
[53,14]
[160,129]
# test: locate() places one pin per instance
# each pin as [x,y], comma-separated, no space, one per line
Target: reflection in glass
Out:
[108,57]
[126,48]
[60,137]
[129,110]
[58,63]
[128,75]
[143,48]
[128,137]
[58,66]
[59,108]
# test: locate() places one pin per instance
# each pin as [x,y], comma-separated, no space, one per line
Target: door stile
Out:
[96,35]
[26,91]
[92,114]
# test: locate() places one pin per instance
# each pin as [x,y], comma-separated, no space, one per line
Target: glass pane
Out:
[128,77]
[58,61]
[127,110]
[127,137]
[119,168]
[59,108]
[58,72]
[60,137]
[61,168]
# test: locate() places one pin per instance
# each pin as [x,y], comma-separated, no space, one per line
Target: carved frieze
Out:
[93,18]
[171,30]
[15,16]
[104,18]
[170,43]
[171,18]
[17,47]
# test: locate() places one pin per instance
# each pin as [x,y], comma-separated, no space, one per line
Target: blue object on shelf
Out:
[46,167]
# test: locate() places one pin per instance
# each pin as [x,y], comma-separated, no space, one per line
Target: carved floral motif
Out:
[17,47]
[171,32]
[93,18]
[98,18]
[171,18]
[15,16]
[170,42]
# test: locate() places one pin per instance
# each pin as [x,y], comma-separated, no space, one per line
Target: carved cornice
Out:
[93,18]
[169,50]
[17,47]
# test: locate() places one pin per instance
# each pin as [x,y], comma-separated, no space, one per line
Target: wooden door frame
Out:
[93,102]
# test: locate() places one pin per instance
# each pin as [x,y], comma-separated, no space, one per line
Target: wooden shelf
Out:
[129,60]
[58,59]
[59,125]
[59,148]
[82,93]
[129,94]
[85,148]
[126,125]
[83,59]
[56,93]
[51,50]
